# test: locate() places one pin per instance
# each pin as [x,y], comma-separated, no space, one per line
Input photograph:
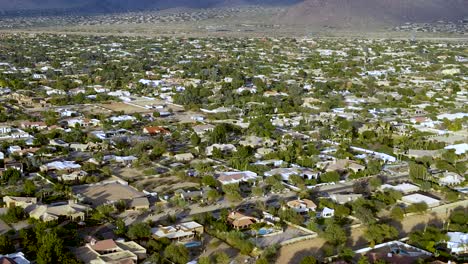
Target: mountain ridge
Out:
[343,13]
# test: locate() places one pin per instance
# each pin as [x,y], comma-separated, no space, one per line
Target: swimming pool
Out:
[193,244]
[264,231]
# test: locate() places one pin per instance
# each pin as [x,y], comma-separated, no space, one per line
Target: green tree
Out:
[139,231]
[257,191]
[209,180]
[222,258]
[213,195]
[397,213]
[29,188]
[14,215]
[11,176]
[232,192]
[418,208]
[331,176]
[427,238]
[177,253]
[308,260]
[335,234]
[261,127]
[102,212]
[204,260]
[6,245]
[377,233]
[50,249]
[418,172]
[120,228]
[195,139]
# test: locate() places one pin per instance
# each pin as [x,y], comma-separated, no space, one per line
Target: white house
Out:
[459,148]
[5,129]
[458,242]
[402,187]
[450,178]
[327,213]
[236,177]
[420,198]
[13,149]
[222,147]
[17,258]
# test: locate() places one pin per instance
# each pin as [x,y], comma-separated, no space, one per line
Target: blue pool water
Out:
[193,244]
[264,231]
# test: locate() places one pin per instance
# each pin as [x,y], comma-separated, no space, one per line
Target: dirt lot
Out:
[127,173]
[126,108]
[295,252]
[289,233]
[214,245]
[163,184]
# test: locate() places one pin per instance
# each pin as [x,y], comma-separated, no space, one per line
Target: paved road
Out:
[194,209]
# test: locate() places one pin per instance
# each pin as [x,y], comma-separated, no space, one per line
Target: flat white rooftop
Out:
[402,187]
[419,198]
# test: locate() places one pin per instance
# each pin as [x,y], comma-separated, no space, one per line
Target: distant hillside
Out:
[368,13]
[104,6]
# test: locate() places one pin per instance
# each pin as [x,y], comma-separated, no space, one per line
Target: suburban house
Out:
[458,242]
[420,198]
[342,198]
[326,213]
[71,210]
[68,166]
[394,252]
[221,147]
[125,160]
[23,202]
[404,188]
[5,129]
[285,173]
[450,178]
[106,192]
[192,194]
[236,177]
[202,129]
[302,205]
[343,165]
[110,251]
[181,232]
[141,203]
[73,176]
[30,125]
[184,157]
[241,221]
[156,131]
[13,164]
[14,258]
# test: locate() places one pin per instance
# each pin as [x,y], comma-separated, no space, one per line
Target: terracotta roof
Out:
[5,260]
[239,220]
[156,130]
[104,245]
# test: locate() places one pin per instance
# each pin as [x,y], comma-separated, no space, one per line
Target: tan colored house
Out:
[241,221]
[302,205]
[184,157]
[140,203]
[38,125]
[48,213]
[110,252]
[344,164]
[23,202]
[181,232]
